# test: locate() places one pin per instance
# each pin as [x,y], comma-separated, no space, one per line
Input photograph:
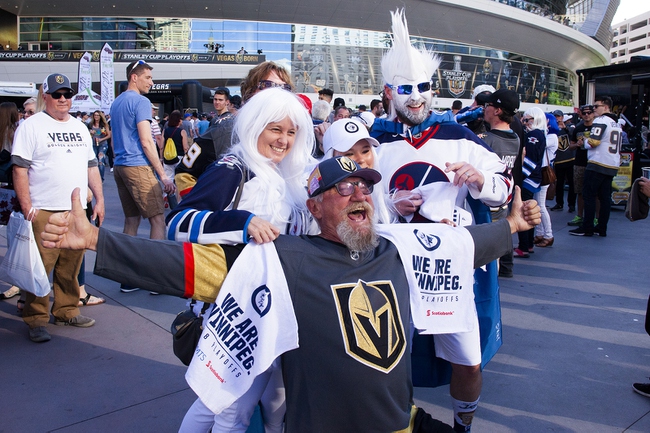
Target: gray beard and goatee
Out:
[411,118]
[356,238]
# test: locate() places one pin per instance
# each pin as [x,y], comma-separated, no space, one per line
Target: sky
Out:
[629,9]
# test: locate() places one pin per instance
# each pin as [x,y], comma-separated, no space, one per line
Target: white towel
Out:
[253,323]
[438,260]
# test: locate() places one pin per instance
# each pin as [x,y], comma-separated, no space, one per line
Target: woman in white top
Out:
[544,230]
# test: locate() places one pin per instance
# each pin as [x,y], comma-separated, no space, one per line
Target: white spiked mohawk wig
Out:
[402,58]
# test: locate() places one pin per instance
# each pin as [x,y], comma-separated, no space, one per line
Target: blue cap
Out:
[331,171]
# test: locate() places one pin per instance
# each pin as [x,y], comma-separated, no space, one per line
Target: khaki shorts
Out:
[578,178]
[139,190]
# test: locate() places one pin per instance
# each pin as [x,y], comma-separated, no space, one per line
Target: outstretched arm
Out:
[524,215]
[493,240]
[172,268]
[70,229]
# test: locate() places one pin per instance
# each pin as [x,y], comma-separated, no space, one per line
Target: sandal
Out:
[91,300]
[10,293]
[547,242]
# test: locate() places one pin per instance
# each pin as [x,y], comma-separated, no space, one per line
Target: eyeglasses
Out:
[407,89]
[58,95]
[488,104]
[585,113]
[267,84]
[526,119]
[346,188]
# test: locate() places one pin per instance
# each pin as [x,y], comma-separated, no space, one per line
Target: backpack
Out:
[169,153]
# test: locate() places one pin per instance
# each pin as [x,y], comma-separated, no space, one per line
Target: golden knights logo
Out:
[563,142]
[347,164]
[371,326]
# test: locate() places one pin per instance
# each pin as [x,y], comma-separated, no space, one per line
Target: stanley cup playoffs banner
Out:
[458,75]
[358,71]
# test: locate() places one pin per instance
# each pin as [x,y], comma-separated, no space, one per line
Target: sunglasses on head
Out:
[267,84]
[407,89]
[58,95]
[346,187]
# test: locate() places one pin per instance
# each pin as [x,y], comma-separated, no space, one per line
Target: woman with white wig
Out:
[257,191]
[272,143]
[534,123]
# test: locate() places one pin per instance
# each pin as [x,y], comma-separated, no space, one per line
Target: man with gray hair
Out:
[343,295]
[52,154]
[320,111]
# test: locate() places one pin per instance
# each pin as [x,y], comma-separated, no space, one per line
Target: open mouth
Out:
[278,150]
[358,214]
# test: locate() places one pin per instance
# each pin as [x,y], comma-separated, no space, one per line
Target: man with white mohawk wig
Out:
[430,164]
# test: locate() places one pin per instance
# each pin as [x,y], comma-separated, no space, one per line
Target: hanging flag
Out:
[85,74]
[107,78]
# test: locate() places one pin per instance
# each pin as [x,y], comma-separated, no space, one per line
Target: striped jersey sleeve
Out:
[177,269]
[204,215]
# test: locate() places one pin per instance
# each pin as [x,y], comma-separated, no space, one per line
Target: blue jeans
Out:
[102,159]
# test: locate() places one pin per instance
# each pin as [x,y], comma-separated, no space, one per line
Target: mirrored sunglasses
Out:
[267,84]
[407,89]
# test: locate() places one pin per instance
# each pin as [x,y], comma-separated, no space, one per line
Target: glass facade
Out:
[344,60]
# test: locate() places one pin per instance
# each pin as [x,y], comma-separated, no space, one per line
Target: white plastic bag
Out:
[22,265]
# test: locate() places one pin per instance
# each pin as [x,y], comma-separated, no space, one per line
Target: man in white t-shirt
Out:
[52,155]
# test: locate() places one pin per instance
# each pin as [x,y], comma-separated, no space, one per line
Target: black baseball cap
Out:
[558,113]
[331,171]
[506,99]
[222,91]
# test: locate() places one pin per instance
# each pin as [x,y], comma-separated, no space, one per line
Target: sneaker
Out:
[154,293]
[111,169]
[78,321]
[642,388]
[572,209]
[40,335]
[600,232]
[576,221]
[125,288]
[521,254]
[581,232]
[557,207]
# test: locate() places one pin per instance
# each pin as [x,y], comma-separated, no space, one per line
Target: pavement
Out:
[573,344]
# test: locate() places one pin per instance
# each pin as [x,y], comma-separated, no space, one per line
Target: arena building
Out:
[533,47]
